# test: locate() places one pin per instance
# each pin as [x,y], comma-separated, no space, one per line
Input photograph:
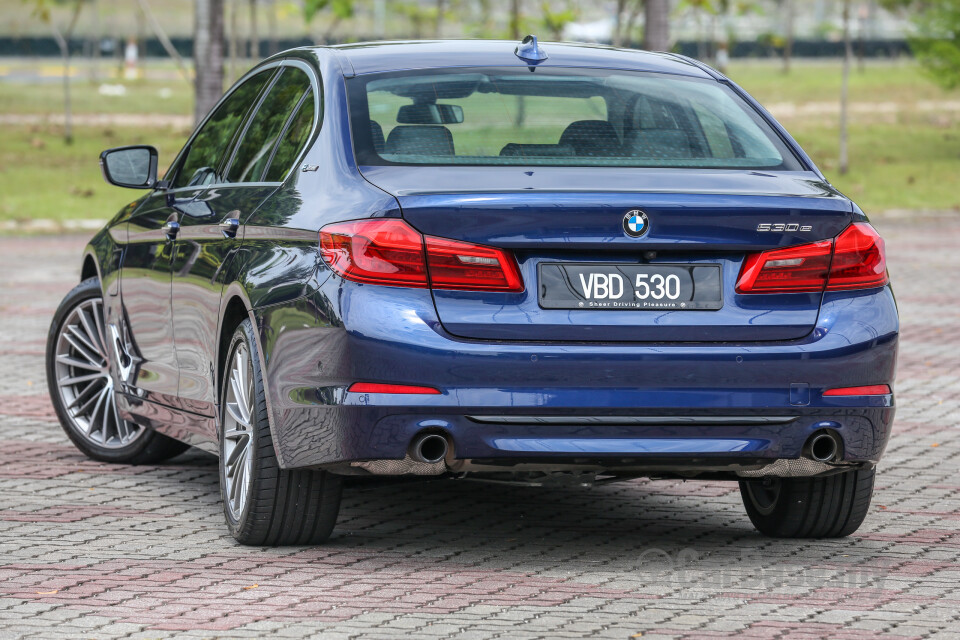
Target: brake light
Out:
[388,251]
[789,270]
[384,251]
[859,260]
[869,390]
[853,260]
[461,265]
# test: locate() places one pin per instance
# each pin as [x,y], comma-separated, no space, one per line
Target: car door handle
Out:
[171,229]
[229,227]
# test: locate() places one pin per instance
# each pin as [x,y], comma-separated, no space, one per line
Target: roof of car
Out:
[375,57]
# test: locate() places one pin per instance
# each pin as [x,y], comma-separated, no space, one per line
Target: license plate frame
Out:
[560,286]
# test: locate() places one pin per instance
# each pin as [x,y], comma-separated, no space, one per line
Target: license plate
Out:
[679,287]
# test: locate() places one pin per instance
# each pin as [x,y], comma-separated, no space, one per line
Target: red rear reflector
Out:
[870,390]
[853,260]
[376,387]
[391,252]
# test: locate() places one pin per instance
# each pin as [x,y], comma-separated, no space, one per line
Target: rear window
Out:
[558,117]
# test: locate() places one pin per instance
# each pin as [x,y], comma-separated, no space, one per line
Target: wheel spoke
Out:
[96,410]
[73,362]
[98,318]
[85,321]
[236,414]
[79,335]
[239,451]
[87,404]
[80,397]
[91,358]
[78,379]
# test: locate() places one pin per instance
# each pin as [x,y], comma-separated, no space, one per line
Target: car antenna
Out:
[529,51]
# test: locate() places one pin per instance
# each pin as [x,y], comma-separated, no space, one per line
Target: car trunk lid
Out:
[574,218]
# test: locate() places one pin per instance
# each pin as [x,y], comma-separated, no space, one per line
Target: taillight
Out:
[461,265]
[859,260]
[389,251]
[386,251]
[853,260]
[789,270]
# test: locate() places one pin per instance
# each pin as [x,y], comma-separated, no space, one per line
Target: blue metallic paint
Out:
[319,333]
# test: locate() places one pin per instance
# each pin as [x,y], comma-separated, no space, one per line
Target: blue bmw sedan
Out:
[526,262]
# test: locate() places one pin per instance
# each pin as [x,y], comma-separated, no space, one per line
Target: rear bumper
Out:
[605,405]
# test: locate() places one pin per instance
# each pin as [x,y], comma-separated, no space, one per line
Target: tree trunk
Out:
[254,48]
[233,42]
[788,35]
[207,56]
[272,28]
[845,88]
[515,19]
[616,38]
[95,41]
[164,39]
[438,25]
[63,41]
[656,28]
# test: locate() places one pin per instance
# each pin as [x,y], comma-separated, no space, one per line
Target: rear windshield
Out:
[558,117]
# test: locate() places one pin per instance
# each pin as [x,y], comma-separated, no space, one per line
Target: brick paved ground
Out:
[94,550]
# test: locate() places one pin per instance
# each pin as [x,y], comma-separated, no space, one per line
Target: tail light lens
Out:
[462,265]
[375,251]
[391,252]
[859,259]
[853,260]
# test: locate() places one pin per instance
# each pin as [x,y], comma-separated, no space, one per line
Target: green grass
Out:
[169,97]
[43,178]
[820,82]
[892,166]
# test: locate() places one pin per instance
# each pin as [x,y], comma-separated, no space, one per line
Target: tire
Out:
[77,350]
[265,505]
[825,507]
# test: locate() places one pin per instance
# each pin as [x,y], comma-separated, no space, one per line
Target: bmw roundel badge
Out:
[635,223]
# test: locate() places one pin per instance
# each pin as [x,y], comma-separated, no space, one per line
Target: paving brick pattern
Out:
[90,550]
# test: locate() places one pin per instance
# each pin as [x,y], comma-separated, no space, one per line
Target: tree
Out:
[41,9]
[626,16]
[656,25]
[207,56]
[936,43]
[845,88]
[556,20]
[341,10]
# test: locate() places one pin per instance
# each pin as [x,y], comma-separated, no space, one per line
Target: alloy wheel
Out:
[83,379]
[765,494]
[238,432]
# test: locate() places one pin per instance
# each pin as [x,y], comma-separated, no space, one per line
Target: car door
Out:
[211,233]
[149,363]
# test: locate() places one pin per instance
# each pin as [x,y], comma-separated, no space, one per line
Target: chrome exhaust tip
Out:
[823,447]
[428,447]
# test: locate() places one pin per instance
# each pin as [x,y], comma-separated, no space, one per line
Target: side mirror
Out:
[132,167]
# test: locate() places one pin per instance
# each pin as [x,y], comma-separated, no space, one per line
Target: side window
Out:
[212,141]
[291,144]
[254,151]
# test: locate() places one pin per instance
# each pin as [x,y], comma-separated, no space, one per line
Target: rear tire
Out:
[82,390]
[265,505]
[825,507]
